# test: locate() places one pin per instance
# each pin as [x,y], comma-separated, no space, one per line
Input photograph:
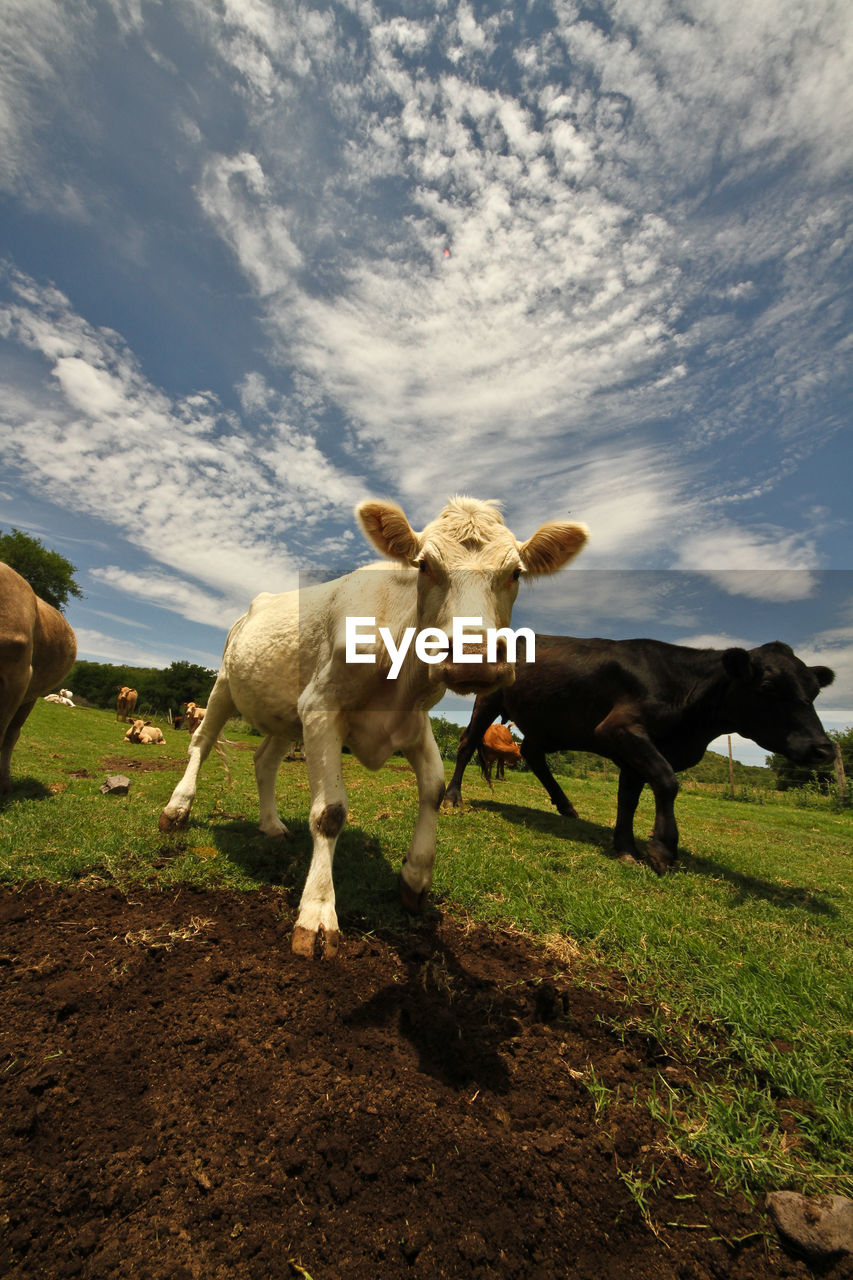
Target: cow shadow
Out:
[551,823]
[365,880]
[456,1022]
[746,886]
[749,886]
[25,789]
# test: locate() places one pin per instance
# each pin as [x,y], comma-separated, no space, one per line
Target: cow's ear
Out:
[823,675]
[386,526]
[552,545]
[738,664]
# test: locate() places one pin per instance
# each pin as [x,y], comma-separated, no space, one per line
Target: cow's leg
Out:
[416,872]
[485,712]
[268,757]
[8,741]
[219,708]
[535,757]
[499,771]
[628,796]
[630,746]
[16,654]
[316,928]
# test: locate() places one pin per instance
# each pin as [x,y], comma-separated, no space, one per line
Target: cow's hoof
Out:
[413,902]
[659,857]
[319,945]
[275,833]
[168,823]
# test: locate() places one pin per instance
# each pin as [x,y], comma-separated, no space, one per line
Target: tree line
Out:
[160,690]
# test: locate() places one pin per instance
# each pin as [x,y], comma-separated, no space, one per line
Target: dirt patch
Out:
[183,1098]
[142,763]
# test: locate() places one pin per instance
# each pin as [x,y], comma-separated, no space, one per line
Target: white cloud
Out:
[583,601]
[175,594]
[179,478]
[718,640]
[39,47]
[234,192]
[775,566]
[95,646]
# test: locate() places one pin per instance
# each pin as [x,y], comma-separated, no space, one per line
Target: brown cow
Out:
[193,716]
[144,732]
[498,747]
[37,650]
[126,702]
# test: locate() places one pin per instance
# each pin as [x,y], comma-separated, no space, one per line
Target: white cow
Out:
[285,670]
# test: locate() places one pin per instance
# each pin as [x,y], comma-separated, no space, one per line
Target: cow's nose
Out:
[475,677]
[811,752]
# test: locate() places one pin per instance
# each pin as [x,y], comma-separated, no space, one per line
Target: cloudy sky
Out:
[260,260]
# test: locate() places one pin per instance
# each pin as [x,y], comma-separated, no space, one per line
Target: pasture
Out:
[629,1056]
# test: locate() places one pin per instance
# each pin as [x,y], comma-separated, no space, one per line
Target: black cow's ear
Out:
[823,675]
[737,664]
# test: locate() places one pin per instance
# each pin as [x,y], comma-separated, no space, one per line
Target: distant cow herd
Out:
[651,708]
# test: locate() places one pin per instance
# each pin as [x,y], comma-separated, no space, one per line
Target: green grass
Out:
[741,957]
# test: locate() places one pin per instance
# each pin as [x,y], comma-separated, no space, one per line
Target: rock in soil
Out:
[821,1227]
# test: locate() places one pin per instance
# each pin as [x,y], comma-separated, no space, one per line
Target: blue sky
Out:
[260,260]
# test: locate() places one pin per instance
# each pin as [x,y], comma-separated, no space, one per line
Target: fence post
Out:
[840,777]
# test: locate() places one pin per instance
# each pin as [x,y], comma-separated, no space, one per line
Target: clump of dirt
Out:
[184,1098]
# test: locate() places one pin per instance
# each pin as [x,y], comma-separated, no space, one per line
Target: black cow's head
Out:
[770,697]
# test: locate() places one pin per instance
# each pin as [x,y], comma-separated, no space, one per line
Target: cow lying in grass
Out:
[285,671]
[37,650]
[144,733]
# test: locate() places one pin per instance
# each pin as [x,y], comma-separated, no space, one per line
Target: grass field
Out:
[740,959]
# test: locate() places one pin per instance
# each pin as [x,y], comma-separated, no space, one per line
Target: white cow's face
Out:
[469,566]
[458,586]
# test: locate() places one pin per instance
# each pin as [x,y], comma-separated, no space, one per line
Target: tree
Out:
[446,735]
[49,574]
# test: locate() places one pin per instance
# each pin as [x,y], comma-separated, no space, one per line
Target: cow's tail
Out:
[219,747]
[484,768]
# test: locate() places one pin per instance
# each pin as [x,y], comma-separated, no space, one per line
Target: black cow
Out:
[651,708]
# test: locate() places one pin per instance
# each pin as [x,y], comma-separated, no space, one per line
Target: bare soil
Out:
[184,1098]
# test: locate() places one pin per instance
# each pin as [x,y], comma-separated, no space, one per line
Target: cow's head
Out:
[469,565]
[770,699]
